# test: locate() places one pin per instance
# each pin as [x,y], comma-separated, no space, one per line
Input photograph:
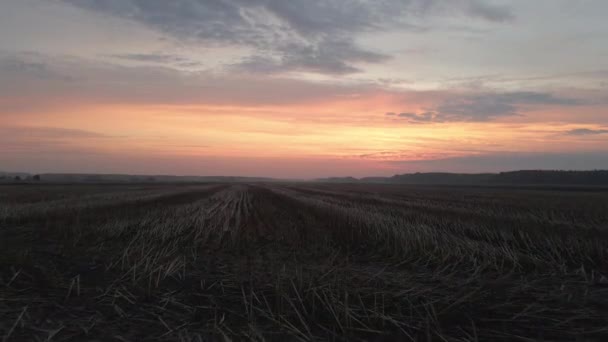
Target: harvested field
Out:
[302,261]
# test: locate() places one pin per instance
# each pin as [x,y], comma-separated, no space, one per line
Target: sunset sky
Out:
[302,88]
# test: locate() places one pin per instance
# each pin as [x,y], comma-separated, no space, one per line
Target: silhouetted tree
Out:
[17,179]
[36,178]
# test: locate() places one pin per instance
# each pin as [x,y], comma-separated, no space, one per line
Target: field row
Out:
[303,262]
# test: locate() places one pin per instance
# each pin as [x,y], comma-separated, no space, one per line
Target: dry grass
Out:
[302,262]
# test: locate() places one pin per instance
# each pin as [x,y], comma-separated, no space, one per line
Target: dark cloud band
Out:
[301,35]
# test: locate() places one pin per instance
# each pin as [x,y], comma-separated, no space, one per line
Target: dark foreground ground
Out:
[301,262]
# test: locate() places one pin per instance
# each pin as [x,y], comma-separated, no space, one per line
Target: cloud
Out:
[422,117]
[51,133]
[490,12]
[28,65]
[34,141]
[326,57]
[94,82]
[489,106]
[402,155]
[486,106]
[159,58]
[296,35]
[508,161]
[586,131]
[97,82]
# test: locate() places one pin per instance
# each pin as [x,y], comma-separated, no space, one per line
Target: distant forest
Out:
[529,177]
[514,177]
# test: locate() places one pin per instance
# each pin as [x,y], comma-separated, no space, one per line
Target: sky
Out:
[302,88]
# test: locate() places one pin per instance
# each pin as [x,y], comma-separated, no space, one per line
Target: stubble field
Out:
[305,261]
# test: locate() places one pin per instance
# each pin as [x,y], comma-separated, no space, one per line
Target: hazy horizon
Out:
[302,89]
[152,174]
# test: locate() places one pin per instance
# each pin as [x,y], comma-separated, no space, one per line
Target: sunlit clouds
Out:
[303,89]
